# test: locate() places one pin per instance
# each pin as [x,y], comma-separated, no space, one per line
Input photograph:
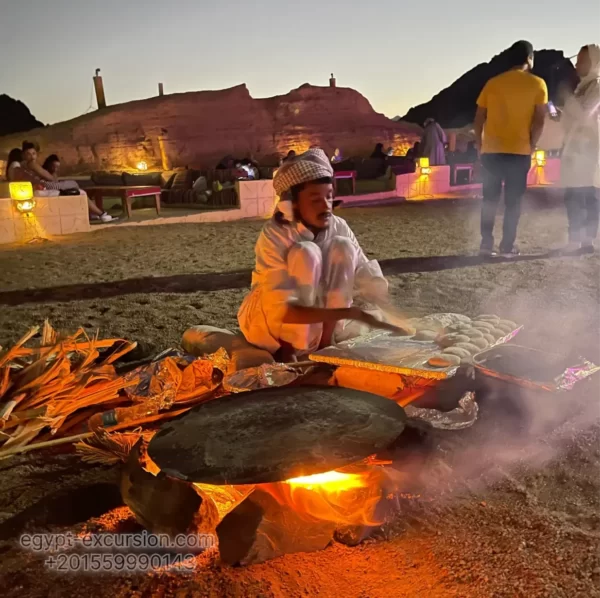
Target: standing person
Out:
[580,163]
[309,267]
[433,143]
[508,125]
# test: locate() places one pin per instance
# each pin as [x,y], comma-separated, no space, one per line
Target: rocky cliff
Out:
[455,106]
[197,129]
[15,117]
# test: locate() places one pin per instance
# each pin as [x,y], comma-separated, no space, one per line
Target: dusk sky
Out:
[397,54]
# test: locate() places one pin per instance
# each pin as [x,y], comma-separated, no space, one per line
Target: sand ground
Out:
[524,527]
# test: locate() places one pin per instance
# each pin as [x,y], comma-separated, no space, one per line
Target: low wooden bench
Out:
[126,194]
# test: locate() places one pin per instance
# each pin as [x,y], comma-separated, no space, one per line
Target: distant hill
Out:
[15,117]
[455,106]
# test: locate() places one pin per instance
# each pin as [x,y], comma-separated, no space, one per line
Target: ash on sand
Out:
[512,520]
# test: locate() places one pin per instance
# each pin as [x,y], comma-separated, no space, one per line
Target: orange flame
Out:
[342,497]
[329,482]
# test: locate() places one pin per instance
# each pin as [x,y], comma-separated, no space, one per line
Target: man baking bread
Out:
[309,267]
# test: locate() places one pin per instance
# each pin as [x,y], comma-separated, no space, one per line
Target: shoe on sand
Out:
[514,252]
[106,217]
[485,252]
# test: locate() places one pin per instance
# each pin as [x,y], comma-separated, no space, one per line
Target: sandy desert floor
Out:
[497,517]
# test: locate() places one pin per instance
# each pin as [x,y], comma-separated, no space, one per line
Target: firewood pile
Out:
[53,385]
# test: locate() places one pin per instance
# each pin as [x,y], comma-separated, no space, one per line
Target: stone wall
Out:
[197,129]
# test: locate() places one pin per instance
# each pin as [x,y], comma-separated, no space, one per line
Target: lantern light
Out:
[20,191]
[142,165]
[424,166]
[540,157]
[22,194]
[25,205]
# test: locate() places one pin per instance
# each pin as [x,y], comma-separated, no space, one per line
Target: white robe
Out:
[580,160]
[432,144]
[292,265]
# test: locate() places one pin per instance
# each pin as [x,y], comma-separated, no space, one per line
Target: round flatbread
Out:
[443,361]
[489,338]
[470,347]
[483,326]
[457,351]
[426,335]
[507,324]
[451,339]
[488,317]
[498,333]
[480,342]
[474,333]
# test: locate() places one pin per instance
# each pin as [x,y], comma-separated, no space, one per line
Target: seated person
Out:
[37,175]
[414,153]
[378,152]
[227,163]
[309,266]
[52,165]
[337,156]
[14,172]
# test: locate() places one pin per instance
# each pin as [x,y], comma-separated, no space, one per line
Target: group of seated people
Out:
[22,166]
[246,168]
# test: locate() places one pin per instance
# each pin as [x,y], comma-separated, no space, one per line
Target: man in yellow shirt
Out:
[508,124]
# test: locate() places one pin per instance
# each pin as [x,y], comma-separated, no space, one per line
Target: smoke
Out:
[521,430]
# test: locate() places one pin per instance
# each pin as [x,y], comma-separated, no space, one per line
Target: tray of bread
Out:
[437,346]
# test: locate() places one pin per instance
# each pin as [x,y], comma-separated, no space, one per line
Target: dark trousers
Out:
[582,212]
[512,170]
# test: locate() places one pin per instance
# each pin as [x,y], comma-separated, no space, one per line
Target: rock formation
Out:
[455,106]
[15,117]
[197,129]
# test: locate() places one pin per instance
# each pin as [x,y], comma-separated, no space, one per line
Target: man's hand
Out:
[362,316]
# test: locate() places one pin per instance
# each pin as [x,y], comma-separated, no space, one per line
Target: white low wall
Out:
[52,216]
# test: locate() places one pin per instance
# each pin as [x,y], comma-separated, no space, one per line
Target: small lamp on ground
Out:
[22,195]
[540,158]
[424,166]
[142,166]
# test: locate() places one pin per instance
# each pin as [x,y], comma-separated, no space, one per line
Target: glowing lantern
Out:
[22,195]
[540,157]
[424,165]
[142,165]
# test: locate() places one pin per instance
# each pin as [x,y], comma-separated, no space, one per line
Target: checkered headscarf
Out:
[306,167]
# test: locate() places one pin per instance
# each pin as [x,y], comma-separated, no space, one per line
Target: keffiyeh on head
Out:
[309,166]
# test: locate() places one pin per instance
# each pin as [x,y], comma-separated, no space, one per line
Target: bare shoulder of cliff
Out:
[15,117]
[455,106]
[198,128]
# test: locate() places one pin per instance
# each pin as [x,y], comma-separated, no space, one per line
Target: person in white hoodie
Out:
[580,163]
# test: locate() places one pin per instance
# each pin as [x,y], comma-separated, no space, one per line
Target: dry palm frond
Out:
[111,448]
[51,384]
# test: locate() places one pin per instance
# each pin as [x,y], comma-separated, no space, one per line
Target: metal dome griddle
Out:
[275,434]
